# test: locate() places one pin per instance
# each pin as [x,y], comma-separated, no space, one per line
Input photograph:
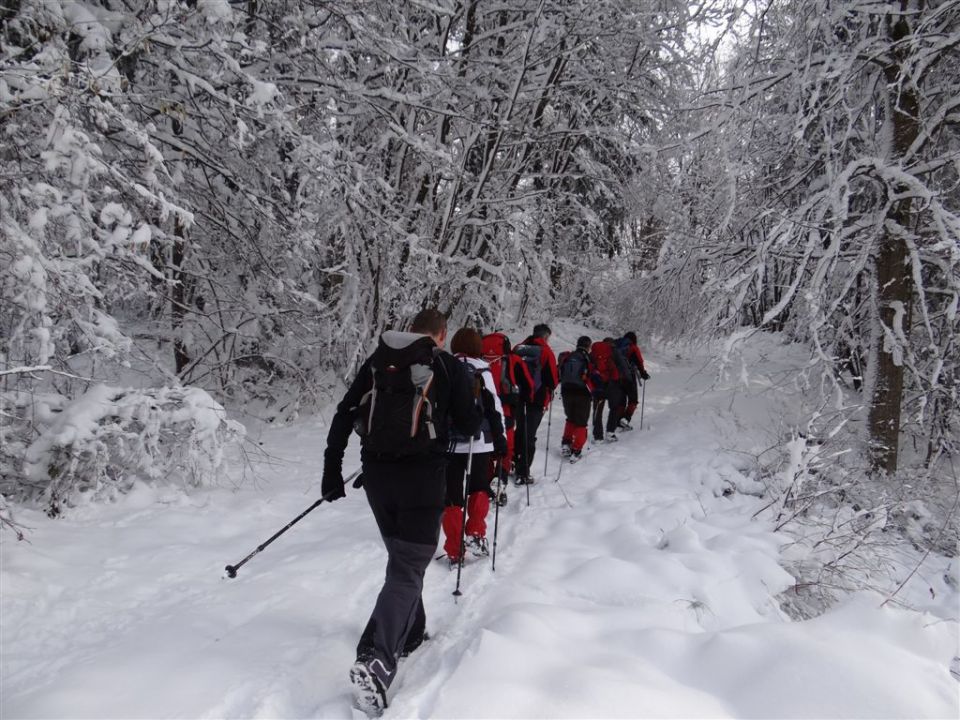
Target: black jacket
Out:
[453,401]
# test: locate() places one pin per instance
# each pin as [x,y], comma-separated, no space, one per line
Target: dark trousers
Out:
[406,498]
[576,406]
[630,388]
[479,480]
[613,397]
[529,418]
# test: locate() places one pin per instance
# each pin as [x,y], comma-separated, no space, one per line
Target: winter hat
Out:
[631,336]
[584,343]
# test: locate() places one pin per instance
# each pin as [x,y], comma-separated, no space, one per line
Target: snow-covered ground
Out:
[632,587]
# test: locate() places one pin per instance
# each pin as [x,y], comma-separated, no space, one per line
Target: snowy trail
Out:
[652,596]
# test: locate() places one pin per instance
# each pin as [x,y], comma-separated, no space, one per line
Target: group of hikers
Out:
[437,429]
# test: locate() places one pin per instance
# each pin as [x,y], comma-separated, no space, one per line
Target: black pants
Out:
[630,388]
[529,418]
[576,405]
[614,398]
[479,480]
[406,498]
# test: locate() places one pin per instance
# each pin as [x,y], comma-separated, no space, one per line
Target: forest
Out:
[213,207]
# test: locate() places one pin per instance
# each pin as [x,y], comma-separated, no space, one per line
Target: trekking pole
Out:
[526,453]
[496,515]
[643,398]
[463,519]
[546,451]
[232,569]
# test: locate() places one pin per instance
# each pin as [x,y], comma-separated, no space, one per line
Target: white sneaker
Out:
[625,424]
[575,457]
[565,451]
[611,437]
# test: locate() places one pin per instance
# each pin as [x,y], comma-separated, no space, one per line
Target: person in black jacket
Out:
[407,380]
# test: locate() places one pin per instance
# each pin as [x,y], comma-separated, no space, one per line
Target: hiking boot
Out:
[625,424]
[521,480]
[413,643]
[611,437]
[575,456]
[369,679]
[501,498]
[565,451]
[478,546]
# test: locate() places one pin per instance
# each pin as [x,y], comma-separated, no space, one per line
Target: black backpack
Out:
[574,368]
[475,382]
[531,354]
[395,417]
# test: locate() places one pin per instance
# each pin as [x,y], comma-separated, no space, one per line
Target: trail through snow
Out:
[633,587]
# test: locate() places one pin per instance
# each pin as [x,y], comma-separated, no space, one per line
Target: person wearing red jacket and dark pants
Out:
[609,369]
[513,381]
[627,345]
[542,364]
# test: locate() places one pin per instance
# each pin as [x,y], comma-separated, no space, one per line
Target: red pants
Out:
[478,504]
[478,500]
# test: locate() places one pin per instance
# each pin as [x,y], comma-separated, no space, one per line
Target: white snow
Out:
[633,587]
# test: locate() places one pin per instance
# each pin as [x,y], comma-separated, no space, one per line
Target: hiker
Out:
[542,365]
[514,385]
[402,401]
[576,391]
[479,452]
[609,368]
[627,345]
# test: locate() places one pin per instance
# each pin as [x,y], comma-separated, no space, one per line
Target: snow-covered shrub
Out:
[100,444]
[852,528]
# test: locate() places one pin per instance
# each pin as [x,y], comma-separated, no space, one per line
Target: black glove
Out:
[644,374]
[358,483]
[331,486]
[500,446]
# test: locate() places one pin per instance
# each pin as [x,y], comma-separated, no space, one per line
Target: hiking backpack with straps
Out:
[531,355]
[477,387]
[496,351]
[602,355]
[573,368]
[395,417]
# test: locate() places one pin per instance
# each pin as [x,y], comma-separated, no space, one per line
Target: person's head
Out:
[584,343]
[631,337]
[542,330]
[431,322]
[467,341]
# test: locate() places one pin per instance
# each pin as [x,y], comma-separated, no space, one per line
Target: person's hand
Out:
[500,446]
[644,374]
[331,486]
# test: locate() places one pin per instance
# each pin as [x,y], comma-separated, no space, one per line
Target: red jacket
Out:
[631,351]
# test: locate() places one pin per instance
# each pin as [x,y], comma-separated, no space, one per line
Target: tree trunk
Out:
[893,280]
[179,297]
